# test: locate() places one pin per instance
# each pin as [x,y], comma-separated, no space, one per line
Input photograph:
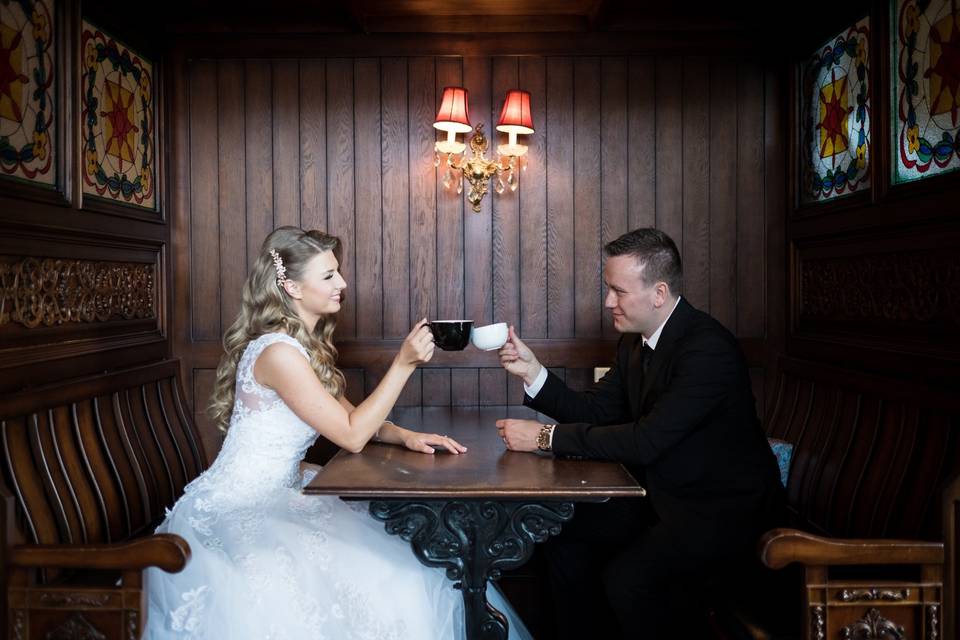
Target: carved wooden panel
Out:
[72,297]
[53,292]
[76,627]
[866,296]
[920,287]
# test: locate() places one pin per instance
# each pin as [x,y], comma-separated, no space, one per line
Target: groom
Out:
[677,409]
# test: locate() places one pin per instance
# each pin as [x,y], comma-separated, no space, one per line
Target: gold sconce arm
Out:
[478,170]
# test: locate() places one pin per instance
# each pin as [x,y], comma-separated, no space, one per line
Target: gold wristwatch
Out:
[544,438]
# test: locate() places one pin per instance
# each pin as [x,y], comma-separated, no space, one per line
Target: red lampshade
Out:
[454,114]
[515,116]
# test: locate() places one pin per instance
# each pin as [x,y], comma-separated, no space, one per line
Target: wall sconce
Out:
[454,117]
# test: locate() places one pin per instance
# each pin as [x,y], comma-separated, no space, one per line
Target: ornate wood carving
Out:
[916,286]
[75,599]
[48,291]
[132,625]
[873,626]
[867,595]
[933,622]
[497,535]
[76,627]
[18,624]
[818,628]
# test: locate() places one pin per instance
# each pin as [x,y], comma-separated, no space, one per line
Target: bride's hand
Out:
[418,346]
[427,443]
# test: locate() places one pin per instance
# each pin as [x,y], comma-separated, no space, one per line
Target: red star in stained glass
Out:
[835,112]
[947,66]
[10,74]
[119,126]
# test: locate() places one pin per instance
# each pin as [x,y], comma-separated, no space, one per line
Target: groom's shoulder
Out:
[702,327]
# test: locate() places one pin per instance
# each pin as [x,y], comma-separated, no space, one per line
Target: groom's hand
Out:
[518,359]
[519,435]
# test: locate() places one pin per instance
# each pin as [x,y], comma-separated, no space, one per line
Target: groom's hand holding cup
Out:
[518,359]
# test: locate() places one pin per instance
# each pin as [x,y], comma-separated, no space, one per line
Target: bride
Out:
[268,561]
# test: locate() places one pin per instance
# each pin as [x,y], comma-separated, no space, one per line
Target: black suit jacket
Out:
[688,431]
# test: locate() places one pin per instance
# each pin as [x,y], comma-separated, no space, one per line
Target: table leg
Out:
[474,540]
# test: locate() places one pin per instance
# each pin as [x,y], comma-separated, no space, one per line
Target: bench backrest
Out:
[871,455]
[99,459]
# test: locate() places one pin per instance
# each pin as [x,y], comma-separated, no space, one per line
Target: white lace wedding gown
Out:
[270,562]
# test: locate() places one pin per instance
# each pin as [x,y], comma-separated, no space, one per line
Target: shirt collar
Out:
[652,340]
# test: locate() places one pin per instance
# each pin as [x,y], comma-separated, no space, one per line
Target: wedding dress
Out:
[269,562]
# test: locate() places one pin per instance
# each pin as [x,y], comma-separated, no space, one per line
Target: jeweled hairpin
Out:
[278,265]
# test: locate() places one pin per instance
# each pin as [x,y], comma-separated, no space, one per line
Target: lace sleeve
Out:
[251,395]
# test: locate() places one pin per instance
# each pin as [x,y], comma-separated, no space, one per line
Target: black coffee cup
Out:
[451,335]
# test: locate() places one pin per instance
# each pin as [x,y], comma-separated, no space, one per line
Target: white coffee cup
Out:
[489,337]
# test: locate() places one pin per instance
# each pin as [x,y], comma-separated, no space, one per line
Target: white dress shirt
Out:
[541,378]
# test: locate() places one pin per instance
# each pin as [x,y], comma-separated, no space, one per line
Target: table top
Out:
[486,470]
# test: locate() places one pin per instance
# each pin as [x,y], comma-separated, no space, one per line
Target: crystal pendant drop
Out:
[436,159]
[499,187]
[459,187]
[447,179]
[512,181]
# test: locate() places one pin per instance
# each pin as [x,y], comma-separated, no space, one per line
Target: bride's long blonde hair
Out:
[266,308]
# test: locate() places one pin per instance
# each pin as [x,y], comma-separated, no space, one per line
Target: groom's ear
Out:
[662,292]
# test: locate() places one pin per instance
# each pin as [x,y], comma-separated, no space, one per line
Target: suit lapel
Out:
[671,333]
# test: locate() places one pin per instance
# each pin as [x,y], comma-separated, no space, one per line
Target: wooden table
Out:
[474,514]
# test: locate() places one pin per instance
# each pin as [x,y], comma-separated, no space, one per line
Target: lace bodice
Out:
[266,440]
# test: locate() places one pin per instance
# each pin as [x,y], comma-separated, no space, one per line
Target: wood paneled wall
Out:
[689,144]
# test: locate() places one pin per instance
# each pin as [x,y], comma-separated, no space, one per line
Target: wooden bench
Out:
[89,467]
[868,482]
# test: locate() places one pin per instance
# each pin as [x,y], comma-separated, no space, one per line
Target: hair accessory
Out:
[278,265]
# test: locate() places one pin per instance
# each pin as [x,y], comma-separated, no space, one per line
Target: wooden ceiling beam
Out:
[477,24]
[468,44]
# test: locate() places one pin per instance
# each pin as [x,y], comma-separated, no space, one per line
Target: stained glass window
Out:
[117,130]
[27,92]
[925,84]
[835,117]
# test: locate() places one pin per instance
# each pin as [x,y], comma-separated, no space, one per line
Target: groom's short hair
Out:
[655,251]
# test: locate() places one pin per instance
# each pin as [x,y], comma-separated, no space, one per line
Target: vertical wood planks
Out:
[204,232]
[695,243]
[615,161]
[369,289]
[313,144]
[560,177]
[341,188]
[394,137]
[423,197]
[258,143]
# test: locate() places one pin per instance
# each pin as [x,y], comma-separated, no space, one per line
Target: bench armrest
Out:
[163,550]
[780,547]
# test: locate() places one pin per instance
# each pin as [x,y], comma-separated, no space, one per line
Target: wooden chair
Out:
[89,467]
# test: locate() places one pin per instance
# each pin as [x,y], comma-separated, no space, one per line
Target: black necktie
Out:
[646,355]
